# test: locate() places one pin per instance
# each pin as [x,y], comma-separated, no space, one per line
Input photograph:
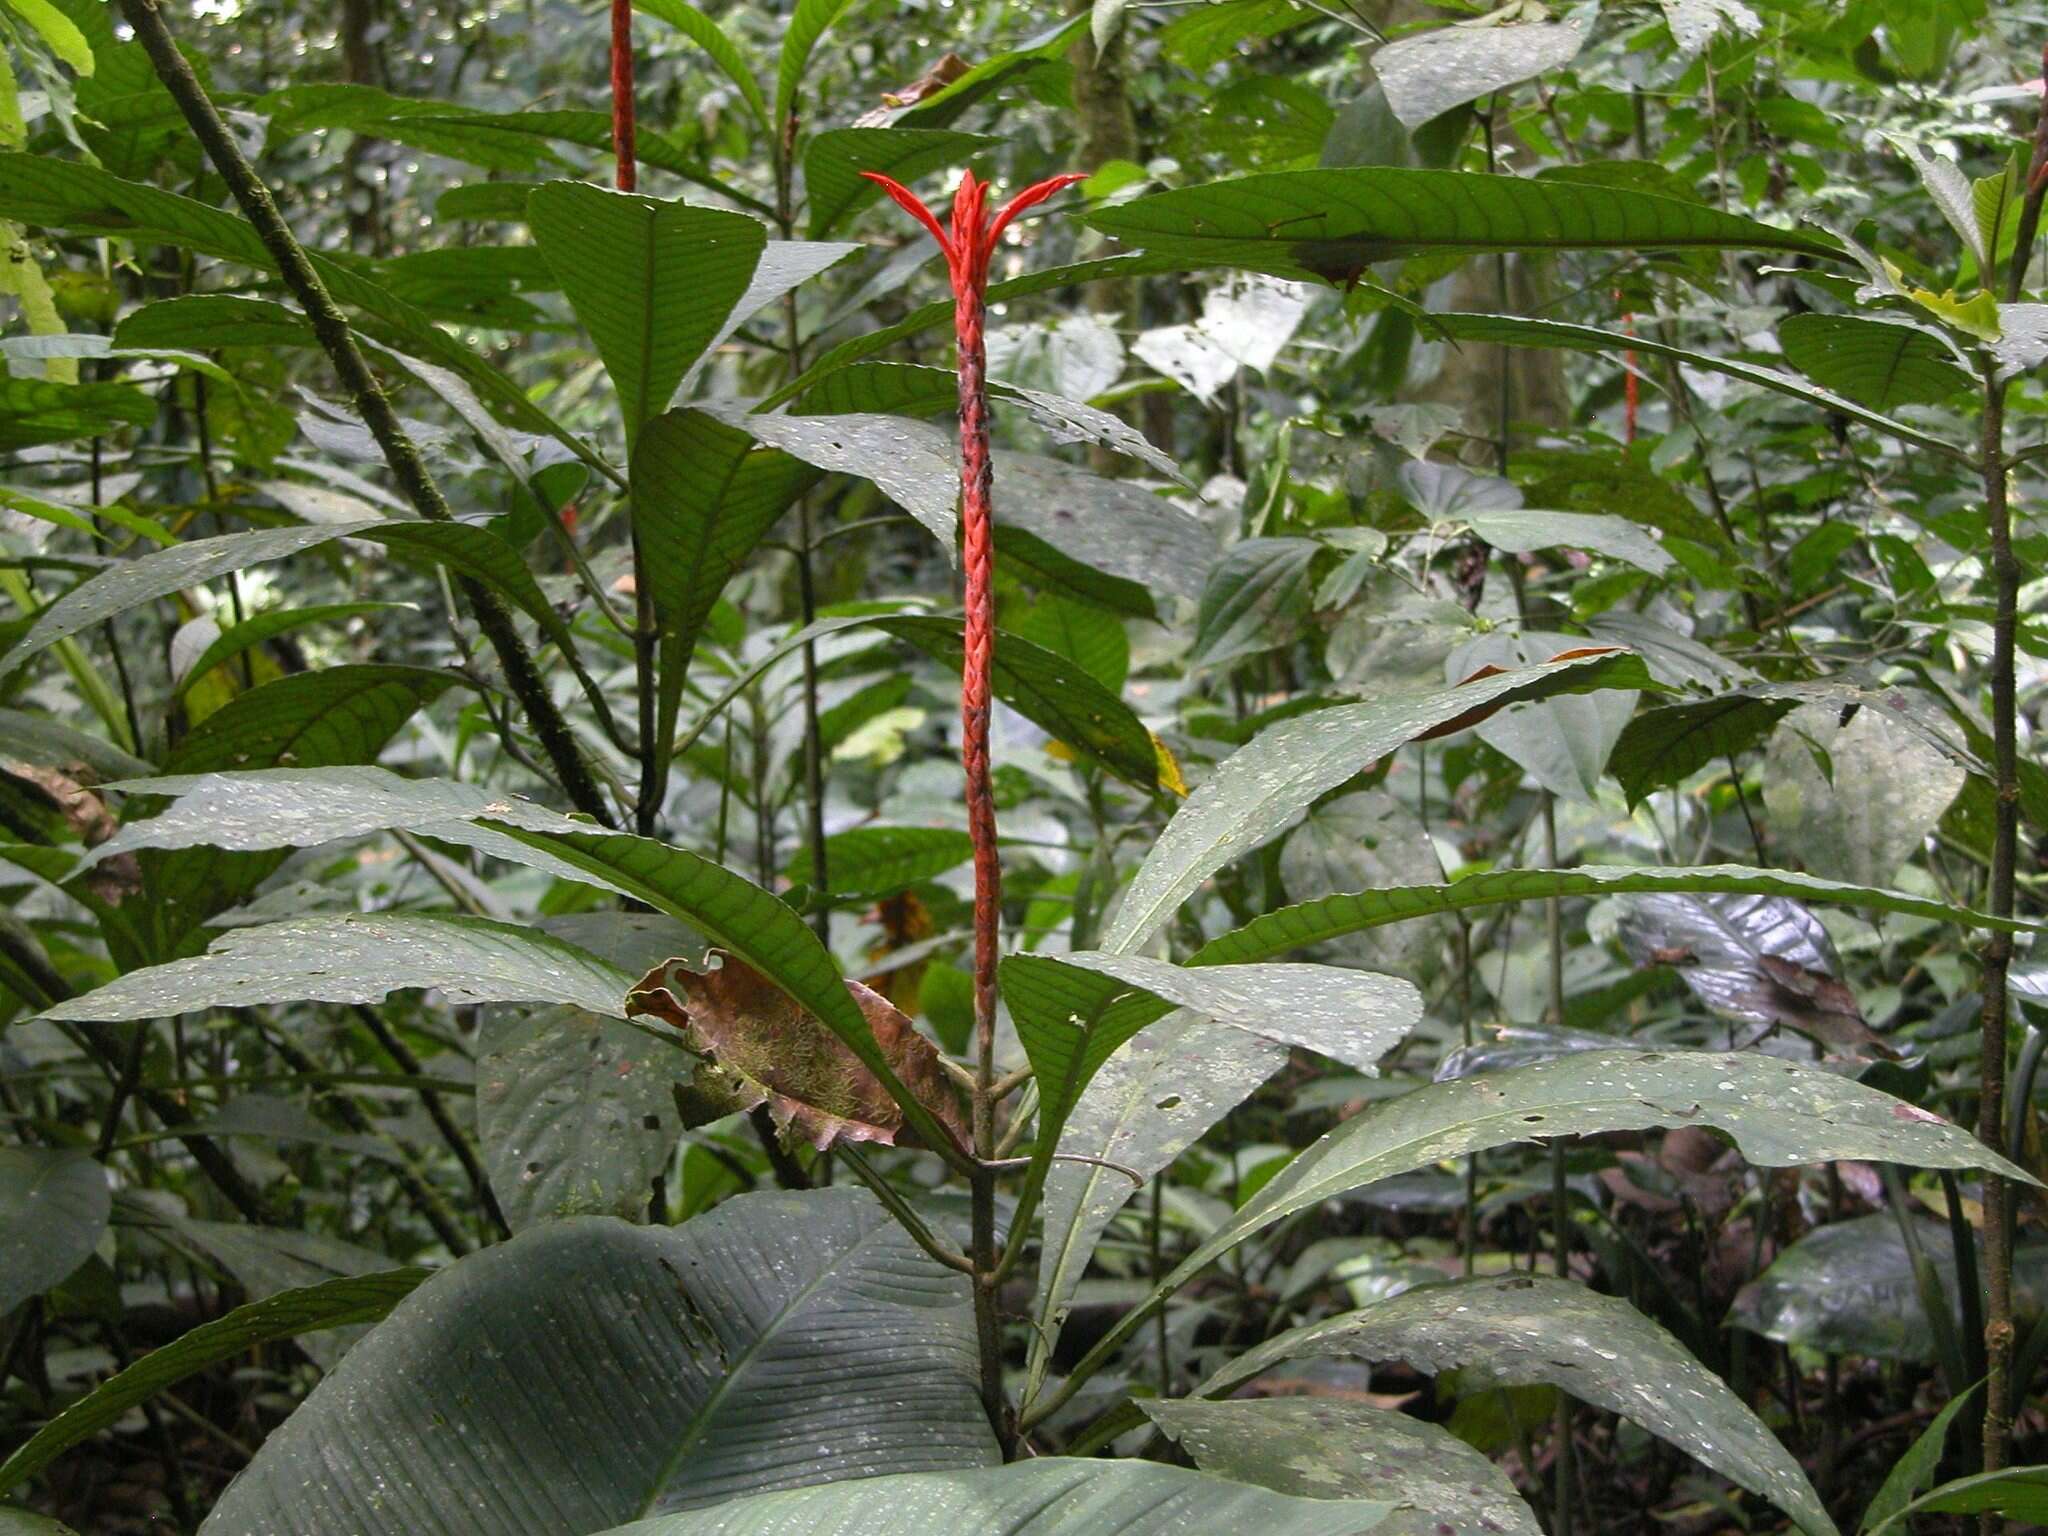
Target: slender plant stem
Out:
[366,394]
[1997,958]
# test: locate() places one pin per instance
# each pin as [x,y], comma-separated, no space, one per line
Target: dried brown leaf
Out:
[765,1048]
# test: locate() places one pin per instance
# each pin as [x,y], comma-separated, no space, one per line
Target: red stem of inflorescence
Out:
[967,246]
[622,95]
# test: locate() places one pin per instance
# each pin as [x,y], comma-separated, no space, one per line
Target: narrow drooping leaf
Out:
[760,1046]
[1049,1496]
[53,1208]
[362,958]
[808,22]
[1527,1329]
[1259,790]
[1322,1449]
[651,281]
[1917,1468]
[1332,224]
[1313,922]
[706,34]
[779,1341]
[291,1314]
[2018,1491]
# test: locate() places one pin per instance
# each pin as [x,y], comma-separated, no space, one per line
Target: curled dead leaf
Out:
[761,1046]
[949,68]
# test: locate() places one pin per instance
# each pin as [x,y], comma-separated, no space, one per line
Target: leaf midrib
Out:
[699,1424]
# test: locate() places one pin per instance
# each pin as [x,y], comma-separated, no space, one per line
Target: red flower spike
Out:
[967,245]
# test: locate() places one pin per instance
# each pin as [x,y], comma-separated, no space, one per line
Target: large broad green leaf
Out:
[1255,599]
[1525,1330]
[575,1111]
[1878,363]
[339,1303]
[260,628]
[1259,790]
[213,320]
[1321,1449]
[1854,799]
[912,462]
[1519,331]
[705,33]
[651,281]
[878,861]
[1522,531]
[1108,525]
[51,743]
[807,23]
[1426,74]
[361,958]
[1331,224]
[1663,747]
[1849,1288]
[1313,922]
[1157,1095]
[704,496]
[1561,742]
[588,1373]
[1779,1113]
[834,160]
[53,1208]
[1048,1496]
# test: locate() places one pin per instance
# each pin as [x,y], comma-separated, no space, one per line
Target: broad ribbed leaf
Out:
[1323,1448]
[1878,363]
[706,34]
[1255,600]
[1108,525]
[361,958]
[1048,1496]
[53,1208]
[1526,1330]
[287,1315]
[588,1373]
[1331,224]
[651,281]
[1519,331]
[1312,922]
[704,496]
[878,861]
[834,160]
[1854,795]
[1258,791]
[213,320]
[1662,748]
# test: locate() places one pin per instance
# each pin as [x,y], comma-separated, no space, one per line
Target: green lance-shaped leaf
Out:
[1520,331]
[290,1314]
[1663,747]
[651,281]
[707,35]
[1321,1448]
[778,1341]
[1779,1113]
[704,496]
[2017,1491]
[1049,1496]
[260,628]
[361,958]
[807,24]
[1527,1330]
[53,1208]
[878,861]
[1314,922]
[1259,790]
[1331,224]
[36,411]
